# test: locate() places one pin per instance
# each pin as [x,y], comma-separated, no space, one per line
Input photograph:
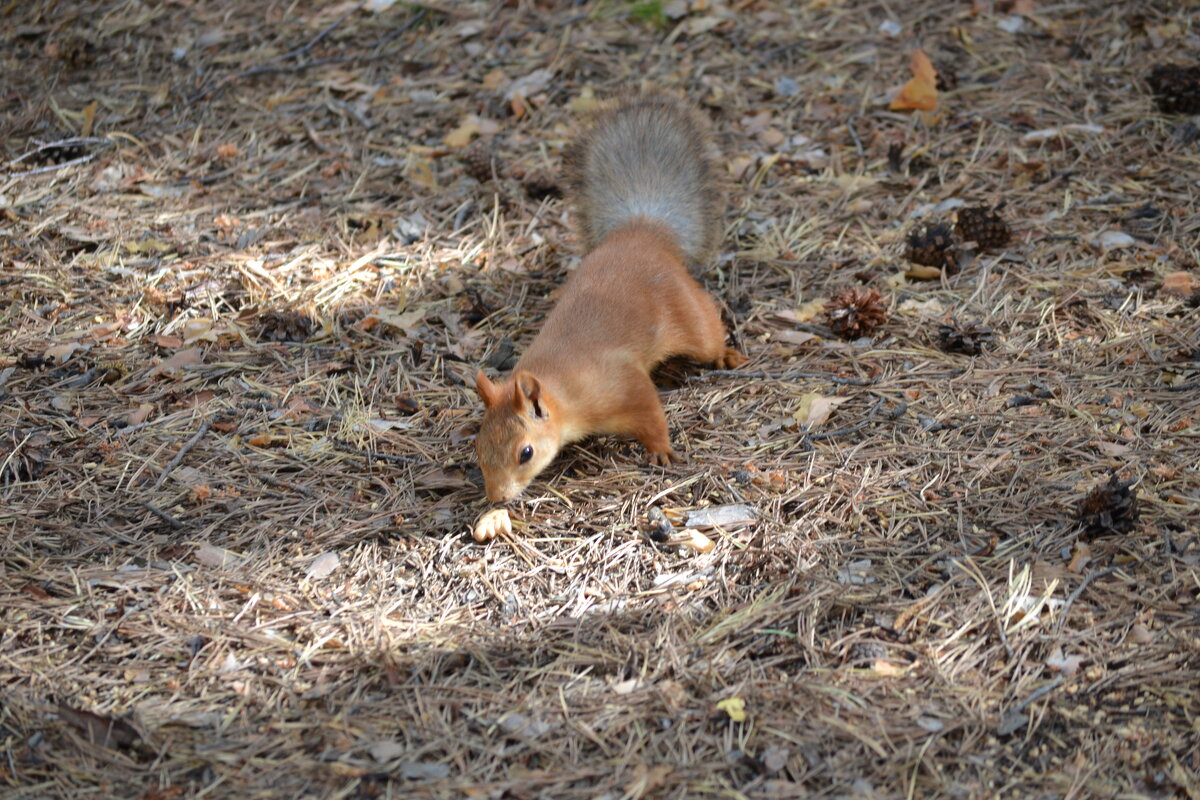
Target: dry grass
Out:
[237,561]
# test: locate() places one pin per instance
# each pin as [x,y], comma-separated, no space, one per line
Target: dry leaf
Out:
[920,93]
[61,352]
[1181,284]
[198,329]
[1140,634]
[920,272]
[735,707]
[814,409]
[698,541]
[168,342]
[810,310]
[1081,558]
[585,103]
[102,731]
[322,566]
[1067,665]
[217,557]
[140,414]
[184,358]
[793,337]
[462,135]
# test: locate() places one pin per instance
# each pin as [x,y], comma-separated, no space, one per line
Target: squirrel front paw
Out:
[663,458]
[492,524]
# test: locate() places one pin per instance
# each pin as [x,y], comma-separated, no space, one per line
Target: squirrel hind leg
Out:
[729,359]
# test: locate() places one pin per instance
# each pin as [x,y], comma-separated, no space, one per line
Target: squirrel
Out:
[644,184]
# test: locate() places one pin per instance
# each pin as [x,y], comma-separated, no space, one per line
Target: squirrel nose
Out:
[500,494]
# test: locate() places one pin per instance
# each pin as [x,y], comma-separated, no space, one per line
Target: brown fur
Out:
[629,305]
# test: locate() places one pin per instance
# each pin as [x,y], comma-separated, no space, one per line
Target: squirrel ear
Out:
[488,391]
[529,392]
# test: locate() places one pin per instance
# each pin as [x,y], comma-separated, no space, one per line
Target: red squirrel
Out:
[648,204]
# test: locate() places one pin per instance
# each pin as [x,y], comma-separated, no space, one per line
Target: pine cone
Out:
[477,161]
[284,326]
[856,312]
[970,338]
[23,456]
[983,226]
[931,244]
[1176,88]
[1111,507]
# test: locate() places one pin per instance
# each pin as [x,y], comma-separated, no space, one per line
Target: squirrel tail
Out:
[650,157]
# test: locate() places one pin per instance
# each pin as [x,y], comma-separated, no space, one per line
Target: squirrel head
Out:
[519,436]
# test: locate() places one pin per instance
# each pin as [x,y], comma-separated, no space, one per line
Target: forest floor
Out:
[241,308]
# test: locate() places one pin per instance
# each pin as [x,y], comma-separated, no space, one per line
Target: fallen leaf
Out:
[698,541]
[422,771]
[929,307]
[809,311]
[774,758]
[1140,634]
[1181,284]
[647,780]
[103,731]
[585,103]
[184,358]
[198,329]
[523,727]
[725,517]
[438,478]
[217,557]
[920,272]
[793,337]
[529,85]
[1080,559]
[735,707]
[813,409]
[1067,665]
[61,352]
[140,414]
[920,93]
[168,342]
[462,135]
[322,566]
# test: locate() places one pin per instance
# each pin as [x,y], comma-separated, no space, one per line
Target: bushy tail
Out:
[649,157]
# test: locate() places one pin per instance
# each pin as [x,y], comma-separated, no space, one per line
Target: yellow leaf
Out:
[200,328]
[921,90]
[814,409]
[462,135]
[735,707]
[810,310]
[89,119]
[585,103]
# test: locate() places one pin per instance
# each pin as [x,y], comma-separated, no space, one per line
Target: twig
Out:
[1091,576]
[858,426]
[164,516]
[183,451]
[854,135]
[370,455]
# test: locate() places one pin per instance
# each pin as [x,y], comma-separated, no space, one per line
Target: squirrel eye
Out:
[526,453]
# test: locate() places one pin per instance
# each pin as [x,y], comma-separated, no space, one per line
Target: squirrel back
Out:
[649,157]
